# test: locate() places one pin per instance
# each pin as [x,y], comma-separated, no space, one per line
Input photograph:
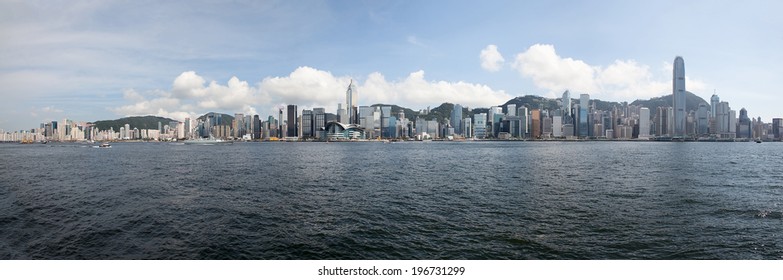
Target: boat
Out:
[103,145]
[758,140]
[207,141]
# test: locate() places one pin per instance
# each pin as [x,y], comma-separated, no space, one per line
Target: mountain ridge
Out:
[440,112]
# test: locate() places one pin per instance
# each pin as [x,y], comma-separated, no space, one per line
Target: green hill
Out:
[691,102]
[140,122]
[223,119]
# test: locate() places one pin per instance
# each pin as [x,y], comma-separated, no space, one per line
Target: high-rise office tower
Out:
[256,127]
[644,122]
[744,129]
[714,101]
[524,128]
[678,92]
[702,119]
[456,119]
[386,121]
[566,106]
[279,126]
[584,100]
[480,125]
[351,96]
[293,124]
[307,124]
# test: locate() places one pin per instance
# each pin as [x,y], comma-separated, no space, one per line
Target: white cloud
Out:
[306,87]
[188,84]
[491,59]
[415,91]
[623,80]
[550,71]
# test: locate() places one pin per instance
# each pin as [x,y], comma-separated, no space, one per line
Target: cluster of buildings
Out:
[571,119]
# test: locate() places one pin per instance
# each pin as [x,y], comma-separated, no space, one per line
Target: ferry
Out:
[207,141]
[103,145]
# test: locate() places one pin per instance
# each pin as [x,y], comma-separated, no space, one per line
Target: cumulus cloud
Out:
[189,97]
[306,87]
[491,59]
[622,80]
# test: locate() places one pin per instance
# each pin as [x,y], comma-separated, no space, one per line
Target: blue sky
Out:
[92,60]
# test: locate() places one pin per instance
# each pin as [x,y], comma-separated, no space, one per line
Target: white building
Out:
[644,123]
[480,125]
[557,126]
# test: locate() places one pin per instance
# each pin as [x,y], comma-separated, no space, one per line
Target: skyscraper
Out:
[584,100]
[714,101]
[456,119]
[566,106]
[644,122]
[480,125]
[744,129]
[293,124]
[702,119]
[351,97]
[256,127]
[307,124]
[678,92]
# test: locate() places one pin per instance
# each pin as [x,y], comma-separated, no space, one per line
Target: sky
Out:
[97,60]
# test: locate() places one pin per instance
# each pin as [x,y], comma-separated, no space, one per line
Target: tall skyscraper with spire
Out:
[567,107]
[678,92]
[351,97]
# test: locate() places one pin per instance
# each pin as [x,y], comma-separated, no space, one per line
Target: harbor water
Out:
[406,200]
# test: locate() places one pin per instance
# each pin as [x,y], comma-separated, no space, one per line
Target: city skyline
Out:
[93,61]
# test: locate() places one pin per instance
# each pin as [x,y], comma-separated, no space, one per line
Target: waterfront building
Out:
[256,127]
[714,101]
[557,126]
[467,130]
[279,124]
[644,122]
[342,114]
[584,126]
[535,117]
[662,122]
[744,129]
[351,98]
[511,125]
[524,121]
[239,125]
[433,129]
[319,121]
[702,119]
[307,124]
[293,125]
[335,131]
[480,125]
[180,130]
[456,119]
[777,125]
[566,100]
[546,125]
[722,119]
[678,92]
[385,121]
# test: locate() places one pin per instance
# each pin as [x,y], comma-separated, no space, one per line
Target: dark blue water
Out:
[469,200]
